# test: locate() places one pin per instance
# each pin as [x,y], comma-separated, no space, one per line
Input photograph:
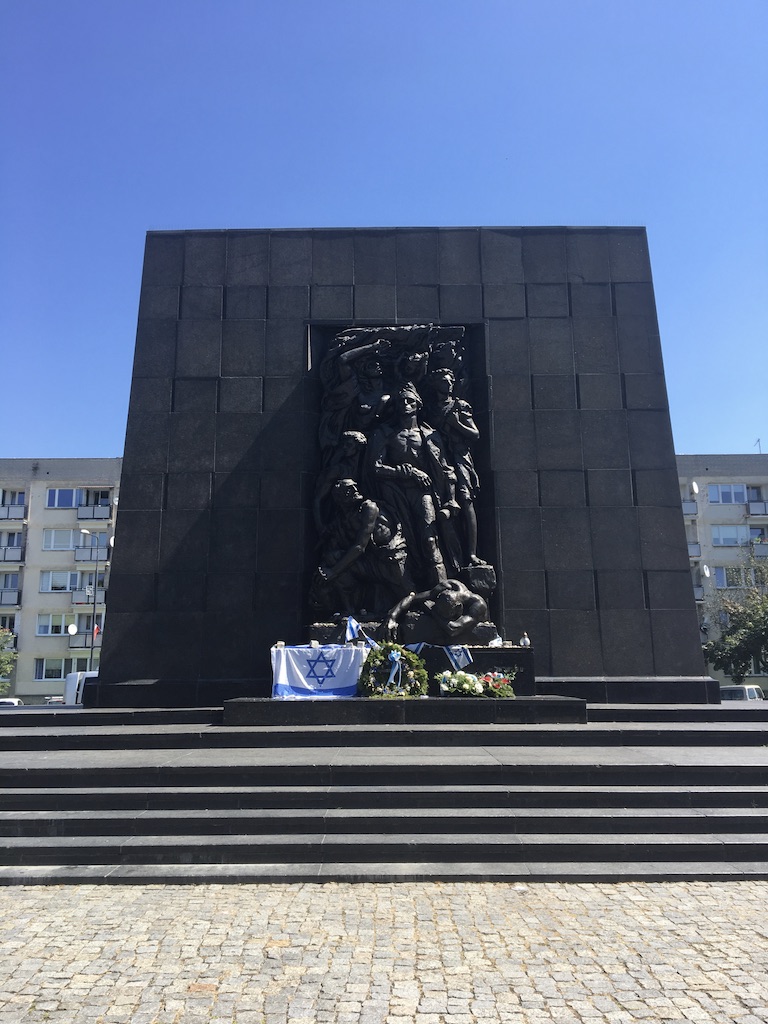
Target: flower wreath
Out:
[466,684]
[393,671]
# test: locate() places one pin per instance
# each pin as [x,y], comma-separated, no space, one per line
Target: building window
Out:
[9,581]
[727,536]
[58,668]
[63,497]
[8,622]
[53,623]
[12,497]
[96,496]
[758,535]
[68,540]
[727,576]
[58,580]
[728,494]
[10,538]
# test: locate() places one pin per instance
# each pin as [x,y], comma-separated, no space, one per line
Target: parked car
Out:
[11,702]
[74,684]
[741,693]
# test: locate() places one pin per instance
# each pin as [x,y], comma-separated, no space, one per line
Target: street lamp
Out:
[95,594]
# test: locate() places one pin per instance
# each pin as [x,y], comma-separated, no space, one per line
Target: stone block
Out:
[508,346]
[245,302]
[205,258]
[200,302]
[459,256]
[192,442]
[513,390]
[591,300]
[138,550]
[186,491]
[375,258]
[233,540]
[151,394]
[522,545]
[159,302]
[669,589]
[418,302]
[615,539]
[628,253]
[645,391]
[237,488]
[650,439]
[131,592]
[600,391]
[571,589]
[247,258]
[587,256]
[375,302]
[513,432]
[332,258]
[517,488]
[504,300]
[281,540]
[575,642]
[164,258]
[184,540]
[195,396]
[417,257]
[181,592]
[662,539]
[676,645]
[290,258]
[286,348]
[562,488]
[620,590]
[659,487]
[241,394]
[544,257]
[289,301]
[239,437]
[146,442]
[141,490]
[501,253]
[634,300]
[281,490]
[547,300]
[460,303]
[609,487]
[639,346]
[626,642]
[198,348]
[155,354]
[595,345]
[557,440]
[605,439]
[551,346]
[524,589]
[567,538]
[554,391]
[230,591]
[242,348]
[331,302]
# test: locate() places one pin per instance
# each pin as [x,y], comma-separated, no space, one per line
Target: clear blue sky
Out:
[128,115]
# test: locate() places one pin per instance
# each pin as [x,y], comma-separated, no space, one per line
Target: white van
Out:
[11,702]
[741,693]
[74,685]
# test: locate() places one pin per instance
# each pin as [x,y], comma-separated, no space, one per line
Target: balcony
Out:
[11,554]
[757,508]
[83,640]
[12,643]
[690,507]
[760,550]
[94,511]
[698,593]
[694,549]
[86,596]
[10,597]
[91,554]
[13,511]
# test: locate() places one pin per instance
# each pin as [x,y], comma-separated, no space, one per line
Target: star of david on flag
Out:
[329,672]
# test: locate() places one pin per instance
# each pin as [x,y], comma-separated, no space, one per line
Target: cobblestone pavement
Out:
[426,953]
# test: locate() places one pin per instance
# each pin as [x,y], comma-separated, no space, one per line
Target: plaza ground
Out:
[412,953]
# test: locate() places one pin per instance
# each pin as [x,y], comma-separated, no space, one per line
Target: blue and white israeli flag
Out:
[329,672]
[458,656]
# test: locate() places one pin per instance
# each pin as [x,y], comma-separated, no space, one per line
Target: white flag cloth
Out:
[316,673]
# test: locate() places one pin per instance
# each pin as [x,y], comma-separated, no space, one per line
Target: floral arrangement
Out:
[393,672]
[467,684]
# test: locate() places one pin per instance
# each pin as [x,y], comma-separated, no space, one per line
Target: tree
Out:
[743,640]
[7,659]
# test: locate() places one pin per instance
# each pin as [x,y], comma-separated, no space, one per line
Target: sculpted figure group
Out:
[395,499]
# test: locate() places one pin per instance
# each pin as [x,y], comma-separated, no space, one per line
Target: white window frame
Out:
[63,665]
[725,494]
[737,531]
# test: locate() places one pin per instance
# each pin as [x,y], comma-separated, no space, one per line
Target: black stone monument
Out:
[233,450]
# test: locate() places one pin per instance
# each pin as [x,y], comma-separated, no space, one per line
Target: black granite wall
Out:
[580,509]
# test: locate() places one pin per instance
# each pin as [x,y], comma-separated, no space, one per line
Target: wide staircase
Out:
[647,792]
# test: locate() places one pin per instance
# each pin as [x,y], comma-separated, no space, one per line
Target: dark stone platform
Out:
[420,711]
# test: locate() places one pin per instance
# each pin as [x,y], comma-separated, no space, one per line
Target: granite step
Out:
[391,821]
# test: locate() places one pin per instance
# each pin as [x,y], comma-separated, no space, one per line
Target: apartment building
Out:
[725,507]
[57,520]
